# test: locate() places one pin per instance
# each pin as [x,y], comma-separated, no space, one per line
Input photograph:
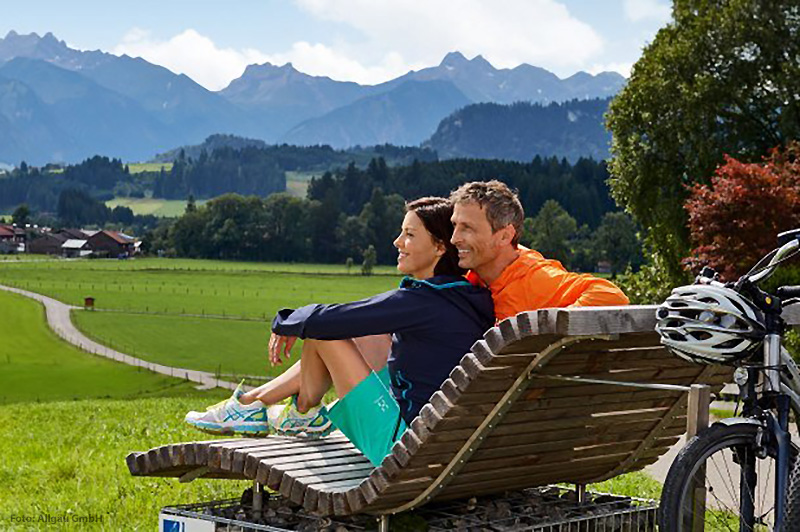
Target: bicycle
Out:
[735,475]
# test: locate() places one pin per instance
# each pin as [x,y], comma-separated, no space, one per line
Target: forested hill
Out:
[303,158]
[521,131]
[580,187]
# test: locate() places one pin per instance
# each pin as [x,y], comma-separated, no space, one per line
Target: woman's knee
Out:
[328,343]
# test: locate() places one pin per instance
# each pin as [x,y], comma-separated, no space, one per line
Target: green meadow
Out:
[223,346]
[68,457]
[249,290]
[206,315]
[297,182]
[36,365]
[163,208]
[138,168]
[69,419]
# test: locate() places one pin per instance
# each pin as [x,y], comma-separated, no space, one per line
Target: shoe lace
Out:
[217,405]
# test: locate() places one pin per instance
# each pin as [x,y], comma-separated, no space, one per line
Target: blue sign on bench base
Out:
[175,523]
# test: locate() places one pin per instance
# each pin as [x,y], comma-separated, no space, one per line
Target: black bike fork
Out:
[747,465]
[783,441]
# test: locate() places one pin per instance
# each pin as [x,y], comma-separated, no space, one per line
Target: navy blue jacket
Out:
[433,322]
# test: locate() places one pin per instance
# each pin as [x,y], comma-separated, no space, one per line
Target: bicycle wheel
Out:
[718,482]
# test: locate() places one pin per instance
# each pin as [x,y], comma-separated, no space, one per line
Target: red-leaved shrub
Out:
[734,221]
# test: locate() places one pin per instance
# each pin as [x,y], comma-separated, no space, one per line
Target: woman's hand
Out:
[280,345]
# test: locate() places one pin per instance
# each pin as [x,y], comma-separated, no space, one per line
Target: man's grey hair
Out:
[501,204]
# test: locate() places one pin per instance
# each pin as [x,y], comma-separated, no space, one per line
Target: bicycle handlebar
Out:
[786,249]
[789,292]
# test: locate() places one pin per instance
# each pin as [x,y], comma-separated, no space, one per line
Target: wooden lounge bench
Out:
[556,395]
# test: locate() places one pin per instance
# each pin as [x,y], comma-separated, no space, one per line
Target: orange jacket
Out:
[532,282]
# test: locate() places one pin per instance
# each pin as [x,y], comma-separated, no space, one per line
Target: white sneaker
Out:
[286,420]
[232,417]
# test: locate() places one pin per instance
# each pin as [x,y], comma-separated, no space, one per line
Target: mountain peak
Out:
[480,62]
[30,45]
[454,59]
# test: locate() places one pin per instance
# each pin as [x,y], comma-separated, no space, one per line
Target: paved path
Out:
[58,318]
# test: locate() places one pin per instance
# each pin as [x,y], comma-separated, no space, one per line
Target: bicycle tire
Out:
[719,448]
[791,520]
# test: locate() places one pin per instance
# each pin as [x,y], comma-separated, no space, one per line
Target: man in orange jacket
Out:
[488,220]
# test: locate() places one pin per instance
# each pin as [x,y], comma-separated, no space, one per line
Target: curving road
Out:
[58,318]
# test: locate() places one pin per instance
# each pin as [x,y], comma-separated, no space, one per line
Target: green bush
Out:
[650,285]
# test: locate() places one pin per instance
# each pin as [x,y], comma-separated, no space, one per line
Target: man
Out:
[487,220]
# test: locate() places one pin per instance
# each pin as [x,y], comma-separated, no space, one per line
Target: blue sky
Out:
[367,41]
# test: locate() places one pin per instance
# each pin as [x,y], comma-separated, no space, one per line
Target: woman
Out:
[434,318]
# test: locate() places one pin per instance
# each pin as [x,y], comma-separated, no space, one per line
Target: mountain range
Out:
[523,130]
[58,104]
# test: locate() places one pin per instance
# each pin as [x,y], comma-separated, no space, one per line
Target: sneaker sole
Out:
[215,428]
[314,435]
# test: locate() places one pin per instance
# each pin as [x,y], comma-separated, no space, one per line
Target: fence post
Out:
[696,420]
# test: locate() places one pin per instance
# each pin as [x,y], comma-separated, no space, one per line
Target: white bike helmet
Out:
[709,324]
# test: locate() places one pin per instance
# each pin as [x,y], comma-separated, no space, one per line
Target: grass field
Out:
[155,296]
[26,257]
[250,290]
[69,458]
[155,206]
[73,462]
[72,419]
[137,168]
[297,182]
[35,365]
[227,347]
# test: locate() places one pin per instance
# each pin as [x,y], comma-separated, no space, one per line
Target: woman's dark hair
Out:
[435,214]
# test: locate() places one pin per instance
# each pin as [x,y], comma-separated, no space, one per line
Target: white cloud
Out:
[192,54]
[621,68]
[322,60]
[392,37]
[638,10]
[506,32]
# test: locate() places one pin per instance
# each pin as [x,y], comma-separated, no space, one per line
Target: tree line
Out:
[40,188]
[289,229]
[249,170]
[580,186]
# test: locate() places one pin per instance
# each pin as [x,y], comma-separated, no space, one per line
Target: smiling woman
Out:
[434,317]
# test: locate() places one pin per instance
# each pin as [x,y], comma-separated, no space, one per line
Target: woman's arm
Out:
[390,312]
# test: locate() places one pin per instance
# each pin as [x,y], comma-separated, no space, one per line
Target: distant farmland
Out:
[163,208]
[207,315]
[35,365]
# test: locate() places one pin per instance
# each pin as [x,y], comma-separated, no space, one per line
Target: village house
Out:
[76,234]
[47,243]
[74,248]
[12,238]
[111,244]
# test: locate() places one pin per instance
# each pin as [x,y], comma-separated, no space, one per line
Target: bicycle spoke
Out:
[766,490]
[732,491]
